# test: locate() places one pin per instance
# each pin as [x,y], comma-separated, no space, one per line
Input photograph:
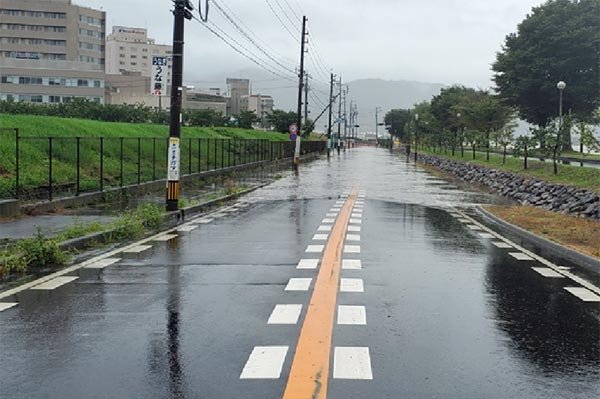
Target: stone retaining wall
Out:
[525,190]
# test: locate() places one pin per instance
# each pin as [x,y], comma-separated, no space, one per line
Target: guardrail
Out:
[55,165]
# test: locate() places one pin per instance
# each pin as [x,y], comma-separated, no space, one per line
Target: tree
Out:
[397,119]
[246,119]
[523,145]
[473,137]
[446,107]
[504,138]
[485,113]
[281,120]
[557,41]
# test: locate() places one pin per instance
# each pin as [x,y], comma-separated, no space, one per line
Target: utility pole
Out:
[306,89]
[296,161]
[181,12]
[339,132]
[330,116]
[346,118]
[351,121]
[377,109]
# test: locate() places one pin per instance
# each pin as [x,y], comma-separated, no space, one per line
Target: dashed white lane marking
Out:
[137,249]
[356,215]
[520,256]
[352,285]
[166,237]
[357,210]
[335,210]
[265,362]
[308,264]
[7,305]
[328,220]
[285,314]
[352,315]
[355,221]
[54,283]
[320,237]
[473,227]
[315,248]
[584,294]
[187,229]
[203,221]
[352,363]
[466,221]
[298,284]
[324,228]
[218,215]
[352,237]
[351,264]
[547,272]
[332,215]
[354,229]
[501,244]
[486,235]
[591,287]
[351,249]
[101,264]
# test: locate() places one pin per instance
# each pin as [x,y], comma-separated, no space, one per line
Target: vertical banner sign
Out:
[158,83]
[297,151]
[173,167]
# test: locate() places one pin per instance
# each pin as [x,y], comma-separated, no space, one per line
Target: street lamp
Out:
[561,86]
[416,135]
[462,139]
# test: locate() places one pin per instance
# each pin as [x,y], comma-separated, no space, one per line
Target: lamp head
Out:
[561,85]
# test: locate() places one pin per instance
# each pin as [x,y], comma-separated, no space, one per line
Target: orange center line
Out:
[309,374]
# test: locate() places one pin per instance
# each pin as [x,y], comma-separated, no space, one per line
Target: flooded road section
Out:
[363,276]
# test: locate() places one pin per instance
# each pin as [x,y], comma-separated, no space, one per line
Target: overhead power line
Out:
[285,26]
[250,39]
[255,61]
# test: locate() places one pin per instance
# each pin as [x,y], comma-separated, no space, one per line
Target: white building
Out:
[130,50]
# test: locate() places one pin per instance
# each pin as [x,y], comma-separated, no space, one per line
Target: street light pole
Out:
[416,136]
[561,86]
[377,109]
[330,116]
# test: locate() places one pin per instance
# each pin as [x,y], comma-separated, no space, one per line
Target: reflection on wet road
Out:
[361,277]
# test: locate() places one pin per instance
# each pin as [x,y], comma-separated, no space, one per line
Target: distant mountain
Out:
[368,93]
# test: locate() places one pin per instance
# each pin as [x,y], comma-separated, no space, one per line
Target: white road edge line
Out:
[71,269]
[543,261]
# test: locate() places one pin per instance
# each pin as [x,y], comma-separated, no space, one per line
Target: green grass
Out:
[588,178]
[34,161]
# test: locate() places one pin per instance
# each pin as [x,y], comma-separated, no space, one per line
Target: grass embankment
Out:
[576,233]
[588,178]
[34,161]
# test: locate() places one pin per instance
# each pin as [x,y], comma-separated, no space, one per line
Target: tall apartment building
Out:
[51,51]
[131,50]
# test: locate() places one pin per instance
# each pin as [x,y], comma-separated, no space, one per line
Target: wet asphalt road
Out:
[448,315]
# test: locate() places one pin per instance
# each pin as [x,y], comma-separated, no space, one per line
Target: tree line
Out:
[278,120]
[558,41]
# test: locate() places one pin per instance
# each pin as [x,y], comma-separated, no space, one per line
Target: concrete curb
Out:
[588,262]
[171,219]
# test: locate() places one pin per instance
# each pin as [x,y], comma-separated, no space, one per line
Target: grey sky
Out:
[445,41]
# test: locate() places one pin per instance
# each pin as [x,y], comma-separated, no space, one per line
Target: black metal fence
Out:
[45,167]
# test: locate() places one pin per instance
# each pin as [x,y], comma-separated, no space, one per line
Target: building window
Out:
[82,83]
[121,62]
[144,50]
[121,48]
[134,63]
[133,56]
[121,55]
[97,83]
[54,99]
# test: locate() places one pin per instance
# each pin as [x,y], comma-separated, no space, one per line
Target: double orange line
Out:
[309,374]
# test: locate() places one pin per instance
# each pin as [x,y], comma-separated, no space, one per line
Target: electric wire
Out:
[250,39]
[281,22]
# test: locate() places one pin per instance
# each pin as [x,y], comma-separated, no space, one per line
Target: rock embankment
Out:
[526,190]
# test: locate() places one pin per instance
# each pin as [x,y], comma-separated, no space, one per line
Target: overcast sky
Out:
[440,41]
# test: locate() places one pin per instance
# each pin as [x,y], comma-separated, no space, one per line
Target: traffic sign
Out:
[293,132]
